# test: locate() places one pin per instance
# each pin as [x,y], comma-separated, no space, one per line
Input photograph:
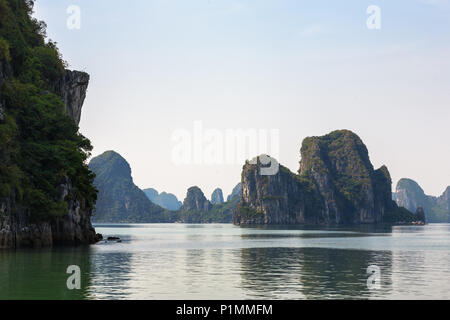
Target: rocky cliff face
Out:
[277,199]
[217,196]
[72,88]
[119,199]
[195,201]
[444,200]
[236,192]
[17,226]
[411,196]
[336,184]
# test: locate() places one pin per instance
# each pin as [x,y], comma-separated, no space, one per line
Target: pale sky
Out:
[301,67]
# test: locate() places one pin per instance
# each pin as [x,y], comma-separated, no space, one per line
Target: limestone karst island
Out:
[210,150]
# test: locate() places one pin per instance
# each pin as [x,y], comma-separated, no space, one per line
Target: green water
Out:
[218,261]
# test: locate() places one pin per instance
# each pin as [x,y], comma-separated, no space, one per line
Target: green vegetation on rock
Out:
[40,146]
[119,199]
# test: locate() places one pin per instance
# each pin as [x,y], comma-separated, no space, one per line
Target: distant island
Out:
[49,195]
[336,184]
[410,195]
[120,200]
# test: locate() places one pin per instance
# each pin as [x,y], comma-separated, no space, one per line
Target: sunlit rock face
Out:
[411,196]
[195,201]
[336,184]
[72,88]
[217,196]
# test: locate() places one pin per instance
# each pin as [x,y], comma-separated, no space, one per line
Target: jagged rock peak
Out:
[195,201]
[217,196]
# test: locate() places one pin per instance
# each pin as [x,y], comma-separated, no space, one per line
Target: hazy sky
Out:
[302,67]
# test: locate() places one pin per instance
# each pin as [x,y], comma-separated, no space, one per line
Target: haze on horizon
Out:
[304,68]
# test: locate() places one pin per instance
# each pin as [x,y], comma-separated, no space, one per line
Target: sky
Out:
[161,69]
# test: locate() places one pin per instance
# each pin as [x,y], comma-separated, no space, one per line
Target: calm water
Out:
[175,261]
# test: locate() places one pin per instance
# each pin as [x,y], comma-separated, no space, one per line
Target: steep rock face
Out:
[17,227]
[217,196]
[195,201]
[236,192]
[72,88]
[444,200]
[276,199]
[336,184]
[119,199]
[411,196]
[165,200]
[352,191]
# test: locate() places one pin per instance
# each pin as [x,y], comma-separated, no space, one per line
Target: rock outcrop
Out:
[195,201]
[236,192]
[336,184]
[40,205]
[444,200]
[165,200]
[420,214]
[217,196]
[72,88]
[411,196]
[119,199]
[17,226]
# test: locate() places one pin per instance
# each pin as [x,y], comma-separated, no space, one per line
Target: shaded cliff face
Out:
[217,196]
[46,189]
[336,184]
[119,199]
[72,88]
[73,227]
[444,200]
[338,165]
[236,192]
[411,196]
[195,201]
[278,199]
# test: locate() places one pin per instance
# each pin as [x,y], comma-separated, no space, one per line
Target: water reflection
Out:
[41,274]
[227,262]
[289,273]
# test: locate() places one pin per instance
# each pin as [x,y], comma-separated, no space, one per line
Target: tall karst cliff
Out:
[336,184]
[46,189]
[119,199]
[411,196]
